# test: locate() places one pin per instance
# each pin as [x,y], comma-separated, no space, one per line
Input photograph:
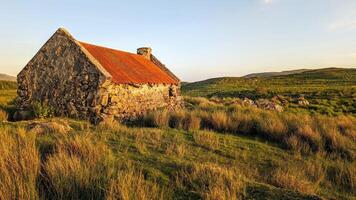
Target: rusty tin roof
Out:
[125,67]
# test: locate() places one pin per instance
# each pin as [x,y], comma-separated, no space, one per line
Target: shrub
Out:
[211,182]
[19,165]
[42,110]
[209,140]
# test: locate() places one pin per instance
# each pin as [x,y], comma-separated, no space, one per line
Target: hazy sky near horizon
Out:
[196,39]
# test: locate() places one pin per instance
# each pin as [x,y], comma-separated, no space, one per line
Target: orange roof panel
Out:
[126,67]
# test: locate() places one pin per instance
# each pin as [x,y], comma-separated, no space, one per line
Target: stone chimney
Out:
[145,52]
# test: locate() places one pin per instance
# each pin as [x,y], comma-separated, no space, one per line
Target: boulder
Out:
[269,105]
[303,103]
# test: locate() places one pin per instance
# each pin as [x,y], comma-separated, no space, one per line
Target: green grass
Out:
[254,165]
[8,85]
[207,151]
[330,91]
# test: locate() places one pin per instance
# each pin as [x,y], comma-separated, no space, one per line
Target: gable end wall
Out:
[62,76]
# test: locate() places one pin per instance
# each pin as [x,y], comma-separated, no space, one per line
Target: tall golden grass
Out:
[3,115]
[19,165]
[211,182]
[131,184]
[302,133]
[79,168]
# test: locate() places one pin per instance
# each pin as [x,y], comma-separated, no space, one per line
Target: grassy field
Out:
[208,150]
[330,91]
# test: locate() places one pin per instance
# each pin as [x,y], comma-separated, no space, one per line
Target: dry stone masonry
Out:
[65,76]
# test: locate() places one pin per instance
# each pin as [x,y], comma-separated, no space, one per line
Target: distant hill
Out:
[5,77]
[269,74]
[332,88]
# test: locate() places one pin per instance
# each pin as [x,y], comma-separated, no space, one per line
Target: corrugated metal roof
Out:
[126,67]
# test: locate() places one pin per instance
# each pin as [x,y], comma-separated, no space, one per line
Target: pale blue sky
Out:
[197,39]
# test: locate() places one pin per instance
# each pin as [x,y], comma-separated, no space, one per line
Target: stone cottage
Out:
[86,81]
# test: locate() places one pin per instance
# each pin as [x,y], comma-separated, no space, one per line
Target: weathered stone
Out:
[303,102]
[268,105]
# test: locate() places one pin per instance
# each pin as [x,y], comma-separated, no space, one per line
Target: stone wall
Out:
[129,101]
[62,76]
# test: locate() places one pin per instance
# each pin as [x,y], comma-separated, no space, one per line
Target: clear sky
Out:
[196,39]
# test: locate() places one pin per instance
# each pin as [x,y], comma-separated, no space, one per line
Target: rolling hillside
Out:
[333,89]
[5,77]
[269,74]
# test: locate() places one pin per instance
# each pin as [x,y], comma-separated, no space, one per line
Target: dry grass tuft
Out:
[158,118]
[292,178]
[271,126]
[111,126]
[206,139]
[176,119]
[131,185]
[219,120]
[175,146]
[191,121]
[19,165]
[211,182]
[79,168]
[343,175]
[3,115]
